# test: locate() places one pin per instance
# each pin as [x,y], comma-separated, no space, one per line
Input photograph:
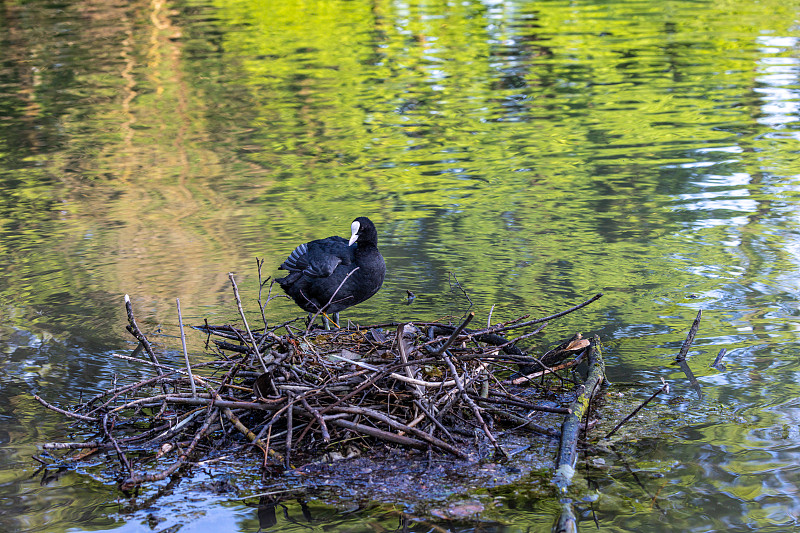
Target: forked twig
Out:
[458,284]
[134,330]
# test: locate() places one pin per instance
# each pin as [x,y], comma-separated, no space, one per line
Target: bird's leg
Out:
[309,319]
[335,320]
[326,321]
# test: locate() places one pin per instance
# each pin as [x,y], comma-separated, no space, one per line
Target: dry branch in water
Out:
[428,386]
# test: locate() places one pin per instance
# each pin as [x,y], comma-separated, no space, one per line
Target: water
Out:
[540,151]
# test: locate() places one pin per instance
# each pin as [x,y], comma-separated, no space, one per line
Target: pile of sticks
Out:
[444,388]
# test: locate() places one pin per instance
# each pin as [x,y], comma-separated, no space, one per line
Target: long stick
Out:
[386,419]
[244,320]
[689,338]
[664,388]
[572,422]
[528,377]
[516,403]
[120,453]
[289,430]
[330,301]
[63,412]
[134,330]
[547,318]
[185,353]
[455,334]
[379,433]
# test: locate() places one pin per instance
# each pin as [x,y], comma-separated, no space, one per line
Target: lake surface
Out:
[541,152]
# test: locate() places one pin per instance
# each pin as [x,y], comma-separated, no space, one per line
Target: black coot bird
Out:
[318,271]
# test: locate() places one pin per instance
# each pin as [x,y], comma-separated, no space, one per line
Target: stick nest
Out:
[290,398]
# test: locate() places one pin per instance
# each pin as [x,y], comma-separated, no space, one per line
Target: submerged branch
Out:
[570,429]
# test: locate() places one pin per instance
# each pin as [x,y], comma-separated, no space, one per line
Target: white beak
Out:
[354,227]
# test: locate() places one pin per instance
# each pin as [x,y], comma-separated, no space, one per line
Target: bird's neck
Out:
[365,248]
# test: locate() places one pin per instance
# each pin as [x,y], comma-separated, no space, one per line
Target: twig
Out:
[63,412]
[289,428]
[689,338]
[458,284]
[528,377]
[515,340]
[716,364]
[259,264]
[399,377]
[244,321]
[116,393]
[326,436]
[247,433]
[185,352]
[330,301]
[165,378]
[455,334]
[134,330]
[475,409]
[120,453]
[76,445]
[433,419]
[547,318]
[664,388]
[402,349]
[134,480]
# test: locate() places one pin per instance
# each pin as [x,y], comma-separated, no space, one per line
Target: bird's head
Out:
[362,228]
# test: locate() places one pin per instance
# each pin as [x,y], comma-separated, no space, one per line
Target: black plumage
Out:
[330,275]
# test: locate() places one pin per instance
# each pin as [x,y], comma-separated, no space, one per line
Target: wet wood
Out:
[570,429]
[689,338]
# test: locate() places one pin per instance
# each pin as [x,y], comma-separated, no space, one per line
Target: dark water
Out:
[540,151]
